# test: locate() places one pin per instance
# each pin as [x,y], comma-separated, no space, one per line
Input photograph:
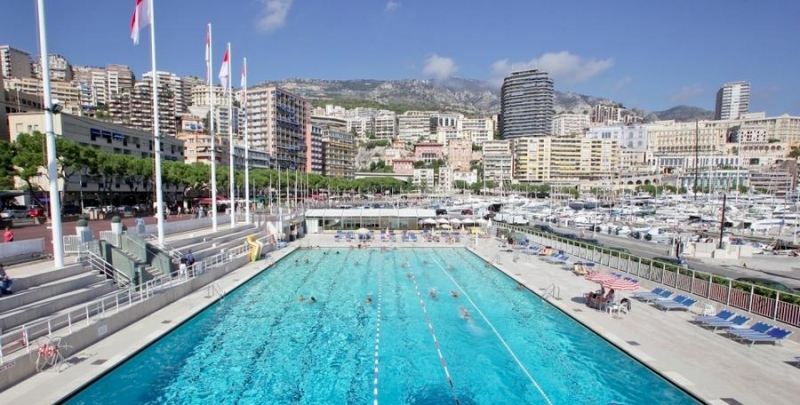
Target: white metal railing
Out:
[97,263]
[110,237]
[73,245]
[215,288]
[759,300]
[24,337]
[552,291]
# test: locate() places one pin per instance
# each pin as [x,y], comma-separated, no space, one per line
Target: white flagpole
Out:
[156,129]
[245,108]
[52,155]
[212,132]
[280,210]
[230,139]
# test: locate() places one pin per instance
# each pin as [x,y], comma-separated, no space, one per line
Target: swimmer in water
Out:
[312,300]
[451,267]
[301,298]
[306,261]
[520,286]
[369,299]
[464,312]
[425,262]
[454,294]
[432,293]
[409,275]
[356,262]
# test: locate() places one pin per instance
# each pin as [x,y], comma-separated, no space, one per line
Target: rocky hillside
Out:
[472,97]
[684,113]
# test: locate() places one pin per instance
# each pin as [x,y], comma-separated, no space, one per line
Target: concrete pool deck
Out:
[714,368]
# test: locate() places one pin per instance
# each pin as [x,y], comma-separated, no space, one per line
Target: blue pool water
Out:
[261,346]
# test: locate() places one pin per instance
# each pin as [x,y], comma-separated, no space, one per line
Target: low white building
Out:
[424,179]
[570,124]
[470,177]
[632,137]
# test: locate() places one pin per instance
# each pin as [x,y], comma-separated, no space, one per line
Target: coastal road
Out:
[649,250]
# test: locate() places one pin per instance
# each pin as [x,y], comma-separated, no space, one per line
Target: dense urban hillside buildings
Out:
[604,144]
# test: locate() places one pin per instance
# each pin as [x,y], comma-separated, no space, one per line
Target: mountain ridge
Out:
[469,96]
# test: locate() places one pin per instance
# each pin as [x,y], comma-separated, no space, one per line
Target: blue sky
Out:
[650,54]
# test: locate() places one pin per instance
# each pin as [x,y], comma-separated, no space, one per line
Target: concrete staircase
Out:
[206,246]
[41,296]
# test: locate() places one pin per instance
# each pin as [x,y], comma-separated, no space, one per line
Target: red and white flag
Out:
[244,82]
[225,70]
[208,52]
[141,18]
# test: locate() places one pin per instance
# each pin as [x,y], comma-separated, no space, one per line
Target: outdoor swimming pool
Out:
[261,346]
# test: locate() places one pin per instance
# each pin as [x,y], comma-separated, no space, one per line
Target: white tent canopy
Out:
[429,221]
[444,221]
[455,221]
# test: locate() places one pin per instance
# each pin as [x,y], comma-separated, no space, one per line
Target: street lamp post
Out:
[52,157]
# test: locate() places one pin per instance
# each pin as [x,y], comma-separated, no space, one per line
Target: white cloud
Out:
[687,93]
[622,83]
[439,67]
[392,6]
[275,12]
[560,65]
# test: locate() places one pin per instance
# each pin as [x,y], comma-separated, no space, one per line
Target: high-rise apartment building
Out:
[733,101]
[544,159]
[386,126]
[498,161]
[101,84]
[459,154]
[314,157]
[338,154]
[15,63]
[60,68]
[67,93]
[527,104]
[478,130]
[414,125]
[570,124]
[278,121]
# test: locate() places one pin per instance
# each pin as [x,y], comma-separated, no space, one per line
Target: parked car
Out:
[14,213]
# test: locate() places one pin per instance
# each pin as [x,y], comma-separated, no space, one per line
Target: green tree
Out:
[7,171]
[28,157]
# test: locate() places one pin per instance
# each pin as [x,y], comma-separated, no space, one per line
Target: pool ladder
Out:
[216,289]
[552,291]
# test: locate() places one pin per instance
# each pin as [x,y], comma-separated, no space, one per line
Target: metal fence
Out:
[763,301]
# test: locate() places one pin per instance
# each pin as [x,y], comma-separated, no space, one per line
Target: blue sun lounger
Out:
[653,296]
[737,323]
[682,305]
[723,315]
[774,336]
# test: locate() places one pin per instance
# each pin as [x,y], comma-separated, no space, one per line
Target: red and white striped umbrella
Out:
[599,277]
[620,284]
